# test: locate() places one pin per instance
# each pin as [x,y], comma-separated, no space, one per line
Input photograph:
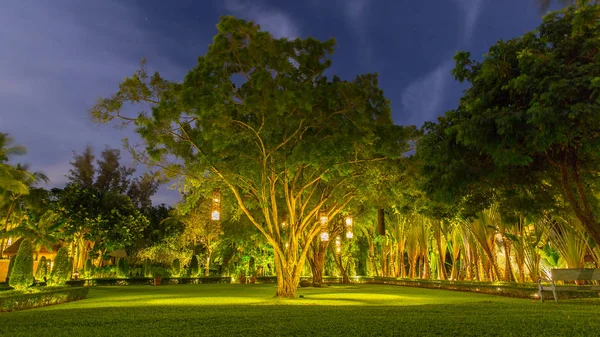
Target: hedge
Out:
[122,267]
[21,275]
[11,264]
[194,266]
[149,281]
[42,269]
[176,267]
[61,272]
[21,301]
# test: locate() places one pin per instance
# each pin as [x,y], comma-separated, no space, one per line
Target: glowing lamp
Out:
[349,235]
[349,221]
[9,242]
[324,236]
[338,244]
[215,213]
[323,218]
[284,222]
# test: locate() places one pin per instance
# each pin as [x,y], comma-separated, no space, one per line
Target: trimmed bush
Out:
[88,269]
[19,301]
[305,283]
[11,264]
[194,266]
[61,272]
[176,266]
[147,268]
[71,263]
[122,267]
[21,276]
[42,269]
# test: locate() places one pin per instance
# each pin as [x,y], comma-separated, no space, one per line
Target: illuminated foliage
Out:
[258,119]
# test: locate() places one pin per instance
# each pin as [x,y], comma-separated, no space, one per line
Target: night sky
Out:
[58,56]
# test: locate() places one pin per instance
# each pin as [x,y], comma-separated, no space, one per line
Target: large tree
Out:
[527,128]
[258,118]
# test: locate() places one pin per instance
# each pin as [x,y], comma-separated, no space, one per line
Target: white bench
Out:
[569,275]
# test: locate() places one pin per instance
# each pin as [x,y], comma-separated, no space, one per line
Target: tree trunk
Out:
[288,274]
[508,271]
[316,260]
[207,267]
[413,266]
[581,207]
[344,270]
[426,267]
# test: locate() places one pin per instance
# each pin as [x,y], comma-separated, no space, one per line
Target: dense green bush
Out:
[11,301]
[11,264]
[42,269]
[21,275]
[147,269]
[61,272]
[176,267]
[194,266]
[122,267]
[88,269]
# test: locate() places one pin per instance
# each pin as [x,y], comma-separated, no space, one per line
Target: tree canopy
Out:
[526,131]
[258,117]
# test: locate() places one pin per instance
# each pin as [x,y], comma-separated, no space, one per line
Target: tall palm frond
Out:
[567,237]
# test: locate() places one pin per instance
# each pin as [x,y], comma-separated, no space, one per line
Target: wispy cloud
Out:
[471,10]
[422,99]
[58,57]
[275,21]
[356,14]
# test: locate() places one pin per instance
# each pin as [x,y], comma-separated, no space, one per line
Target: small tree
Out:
[147,268]
[176,266]
[61,272]
[11,264]
[21,275]
[194,266]
[88,269]
[122,267]
[42,268]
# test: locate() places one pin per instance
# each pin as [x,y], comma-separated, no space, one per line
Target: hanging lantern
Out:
[323,218]
[284,222]
[324,236]
[338,244]
[216,205]
[349,225]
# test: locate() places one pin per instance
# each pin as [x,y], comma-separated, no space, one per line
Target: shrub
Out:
[194,266]
[42,269]
[21,275]
[147,268]
[88,269]
[305,283]
[176,267]
[61,272]
[19,301]
[71,263]
[122,267]
[11,264]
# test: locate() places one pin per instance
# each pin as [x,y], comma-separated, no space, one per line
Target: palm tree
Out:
[44,231]
[8,179]
[14,202]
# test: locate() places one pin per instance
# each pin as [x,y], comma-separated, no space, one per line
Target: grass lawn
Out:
[251,310]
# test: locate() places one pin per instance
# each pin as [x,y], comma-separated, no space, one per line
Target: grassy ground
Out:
[251,310]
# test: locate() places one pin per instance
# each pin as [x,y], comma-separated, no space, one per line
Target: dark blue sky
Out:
[59,56]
